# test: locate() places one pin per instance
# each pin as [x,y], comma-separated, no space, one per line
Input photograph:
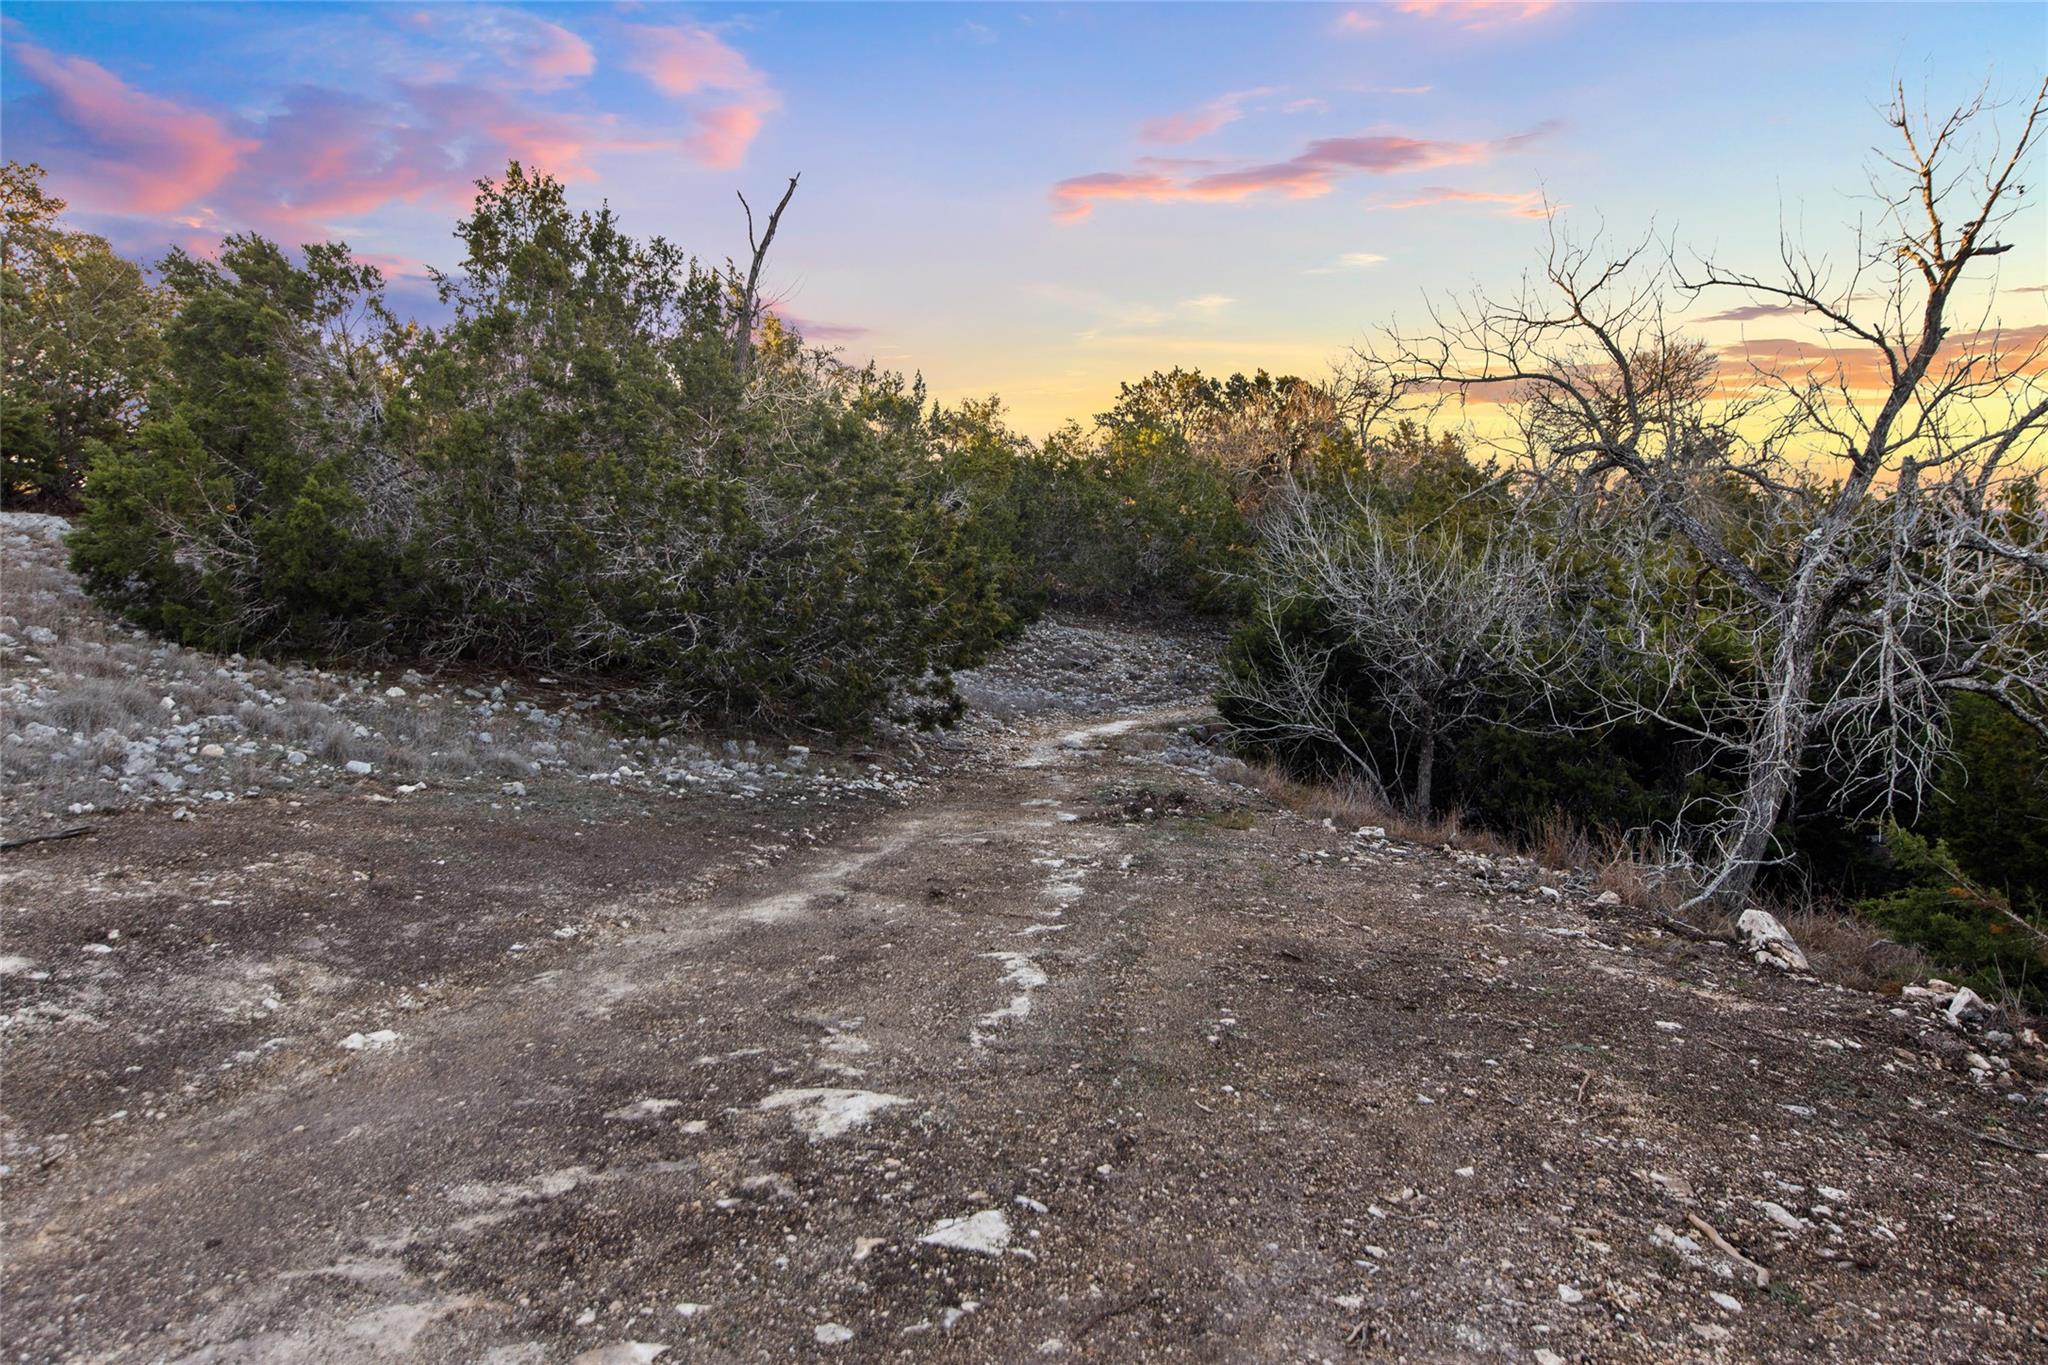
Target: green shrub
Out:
[78,345]
[1967,929]
[571,475]
[1990,807]
[231,519]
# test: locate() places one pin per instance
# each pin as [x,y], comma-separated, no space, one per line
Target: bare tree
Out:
[1433,625]
[1863,511]
[750,299]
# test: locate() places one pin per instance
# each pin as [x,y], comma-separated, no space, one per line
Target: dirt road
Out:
[1080,1052]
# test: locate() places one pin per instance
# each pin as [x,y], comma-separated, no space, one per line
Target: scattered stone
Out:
[1782,1216]
[831,1334]
[620,1352]
[359,768]
[358,1042]
[1770,941]
[828,1113]
[1966,1006]
[644,1109]
[986,1233]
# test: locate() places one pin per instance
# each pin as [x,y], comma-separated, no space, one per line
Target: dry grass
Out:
[1847,949]
[1646,877]
[1840,946]
[1351,805]
[96,704]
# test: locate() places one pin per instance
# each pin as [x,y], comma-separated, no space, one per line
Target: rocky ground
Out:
[1043,1040]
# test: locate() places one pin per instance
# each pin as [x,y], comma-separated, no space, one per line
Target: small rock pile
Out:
[1997,1054]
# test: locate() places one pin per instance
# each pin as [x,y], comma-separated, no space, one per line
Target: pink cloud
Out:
[1478,14]
[1075,198]
[1296,179]
[125,150]
[553,55]
[723,134]
[326,158]
[1526,204]
[1356,21]
[1863,367]
[1202,121]
[390,266]
[689,62]
[683,60]
[1315,171]
[321,159]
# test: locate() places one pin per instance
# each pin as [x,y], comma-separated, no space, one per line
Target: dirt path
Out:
[1081,1053]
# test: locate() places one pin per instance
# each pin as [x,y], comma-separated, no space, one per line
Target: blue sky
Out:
[1035,200]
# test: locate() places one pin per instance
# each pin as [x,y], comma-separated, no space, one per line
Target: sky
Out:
[1032,200]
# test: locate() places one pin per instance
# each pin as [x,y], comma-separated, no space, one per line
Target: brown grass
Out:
[1845,948]
[1840,946]
[95,704]
[1351,805]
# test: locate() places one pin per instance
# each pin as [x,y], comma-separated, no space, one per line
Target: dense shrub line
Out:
[571,474]
[1398,679]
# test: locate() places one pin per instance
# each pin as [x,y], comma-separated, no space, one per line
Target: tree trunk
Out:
[1774,757]
[750,301]
[1425,773]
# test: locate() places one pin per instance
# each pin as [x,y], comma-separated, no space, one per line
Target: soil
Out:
[1071,1049]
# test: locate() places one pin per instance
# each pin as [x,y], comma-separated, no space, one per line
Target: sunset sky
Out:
[1035,200]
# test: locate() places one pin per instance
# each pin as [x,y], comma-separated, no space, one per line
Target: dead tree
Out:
[750,298]
[1429,625]
[1863,510]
